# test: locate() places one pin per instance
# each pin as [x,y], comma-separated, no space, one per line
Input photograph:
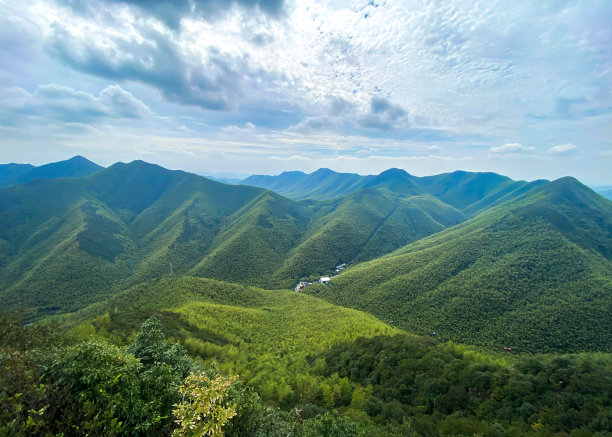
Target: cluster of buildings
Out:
[322,280]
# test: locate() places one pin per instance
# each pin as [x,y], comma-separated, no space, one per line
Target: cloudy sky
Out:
[522,88]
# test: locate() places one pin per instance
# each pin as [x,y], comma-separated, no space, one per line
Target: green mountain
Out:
[65,243]
[75,167]
[467,191]
[322,184]
[530,270]
[8,172]
[534,274]
[122,225]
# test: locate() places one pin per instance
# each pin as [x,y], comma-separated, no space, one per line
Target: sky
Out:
[521,88]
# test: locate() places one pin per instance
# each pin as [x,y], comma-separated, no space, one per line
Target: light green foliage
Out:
[268,337]
[203,409]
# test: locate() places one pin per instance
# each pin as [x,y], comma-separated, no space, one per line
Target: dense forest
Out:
[392,385]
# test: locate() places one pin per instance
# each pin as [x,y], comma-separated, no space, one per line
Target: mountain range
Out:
[476,257]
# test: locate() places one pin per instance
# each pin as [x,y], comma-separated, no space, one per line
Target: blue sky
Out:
[521,88]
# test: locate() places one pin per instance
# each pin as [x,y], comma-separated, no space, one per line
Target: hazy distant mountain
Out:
[74,167]
[467,191]
[534,273]
[607,194]
[9,172]
[322,184]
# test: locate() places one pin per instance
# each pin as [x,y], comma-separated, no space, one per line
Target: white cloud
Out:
[53,102]
[563,149]
[511,149]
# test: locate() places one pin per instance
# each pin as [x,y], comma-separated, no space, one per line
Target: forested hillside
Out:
[278,363]
[534,274]
[65,243]
[474,258]
[467,191]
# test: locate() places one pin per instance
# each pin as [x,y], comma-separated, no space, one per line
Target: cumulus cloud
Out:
[384,115]
[511,149]
[171,12]
[562,149]
[319,123]
[214,81]
[65,104]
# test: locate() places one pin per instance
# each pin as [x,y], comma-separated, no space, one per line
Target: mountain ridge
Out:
[75,167]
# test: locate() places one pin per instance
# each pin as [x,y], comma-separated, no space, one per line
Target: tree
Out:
[151,348]
[204,408]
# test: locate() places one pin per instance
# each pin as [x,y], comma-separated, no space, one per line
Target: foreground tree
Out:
[204,409]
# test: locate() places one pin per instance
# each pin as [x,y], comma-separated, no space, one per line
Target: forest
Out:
[55,382]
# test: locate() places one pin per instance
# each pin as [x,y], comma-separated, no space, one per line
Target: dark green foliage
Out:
[439,390]
[151,348]
[329,424]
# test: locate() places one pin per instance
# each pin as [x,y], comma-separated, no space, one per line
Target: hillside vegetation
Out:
[270,338]
[65,243]
[467,191]
[531,270]
[299,352]
[534,274]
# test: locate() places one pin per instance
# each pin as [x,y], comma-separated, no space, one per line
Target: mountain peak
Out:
[75,167]
[395,172]
[323,171]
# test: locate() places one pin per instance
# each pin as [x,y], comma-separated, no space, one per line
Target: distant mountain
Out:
[322,184]
[533,273]
[8,172]
[75,167]
[466,191]
[65,243]
[607,194]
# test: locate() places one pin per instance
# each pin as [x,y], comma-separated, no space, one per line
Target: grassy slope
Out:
[534,274]
[268,337]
